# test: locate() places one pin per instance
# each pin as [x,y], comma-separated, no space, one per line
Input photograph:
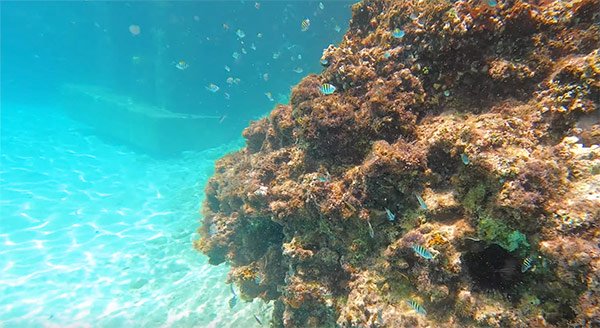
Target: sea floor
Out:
[95,234]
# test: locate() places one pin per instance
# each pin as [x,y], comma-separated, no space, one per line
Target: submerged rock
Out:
[299,213]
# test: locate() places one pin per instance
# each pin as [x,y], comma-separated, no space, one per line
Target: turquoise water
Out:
[93,230]
[94,233]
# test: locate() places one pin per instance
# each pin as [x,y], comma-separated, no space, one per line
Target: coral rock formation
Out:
[476,125]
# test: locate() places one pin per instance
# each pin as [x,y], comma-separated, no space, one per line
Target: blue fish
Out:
[417,307]
[492,3]
[528,263]
[422,204]
[232,302]
[327,88]
[464,158]
[422,252]
[391,216]
[398,33]
[233,299]
[387,55]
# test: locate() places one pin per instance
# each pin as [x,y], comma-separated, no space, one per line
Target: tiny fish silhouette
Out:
[391,216]
[417,307]
[422,252]
[464,158]
[327,88]
[398,33]
[528,262]
[422,204]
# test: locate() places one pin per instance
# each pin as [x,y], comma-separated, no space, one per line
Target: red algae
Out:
[477,127]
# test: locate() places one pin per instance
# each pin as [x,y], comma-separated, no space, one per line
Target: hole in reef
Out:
[441,162]
[494,268]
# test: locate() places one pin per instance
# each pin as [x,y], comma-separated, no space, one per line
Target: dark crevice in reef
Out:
[494,268]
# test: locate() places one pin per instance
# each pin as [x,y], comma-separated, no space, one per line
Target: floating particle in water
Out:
[265,77]
[422,252]
[464,158]
[212,88]
[235,55]
[269,96]
[244,51]
[227,97]
[229,80]
[298,70]
[226,26]
[324,62]
[337,28]
[240,34]
[182,65]
[276,55]
[447,93]
[227,68]
[416,307]
[253,46]
[304,25]
[327,88]
[135,30]
[391,216]
[259,35]
[492,3]
[398,33]
[257,5]
[422,204]
[321,6]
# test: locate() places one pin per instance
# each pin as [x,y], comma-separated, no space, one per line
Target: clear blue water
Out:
[93,231]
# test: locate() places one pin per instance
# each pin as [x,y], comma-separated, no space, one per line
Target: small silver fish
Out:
[232,302]
[464,158]
[233,299]
[398,33]
[422,204]
[212,88]
[417,307]
[391,216]
[422,252]
[528,262]
[305,25]
[327,88]
[371,231]
[257,319]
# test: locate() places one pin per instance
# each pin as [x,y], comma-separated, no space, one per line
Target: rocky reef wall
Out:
[451,180]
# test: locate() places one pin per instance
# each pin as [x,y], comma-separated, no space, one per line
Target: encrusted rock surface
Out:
[477,127]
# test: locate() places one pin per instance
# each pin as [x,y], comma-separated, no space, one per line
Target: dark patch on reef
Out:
[494,268]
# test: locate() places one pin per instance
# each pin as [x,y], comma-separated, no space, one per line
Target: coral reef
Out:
[467,128]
